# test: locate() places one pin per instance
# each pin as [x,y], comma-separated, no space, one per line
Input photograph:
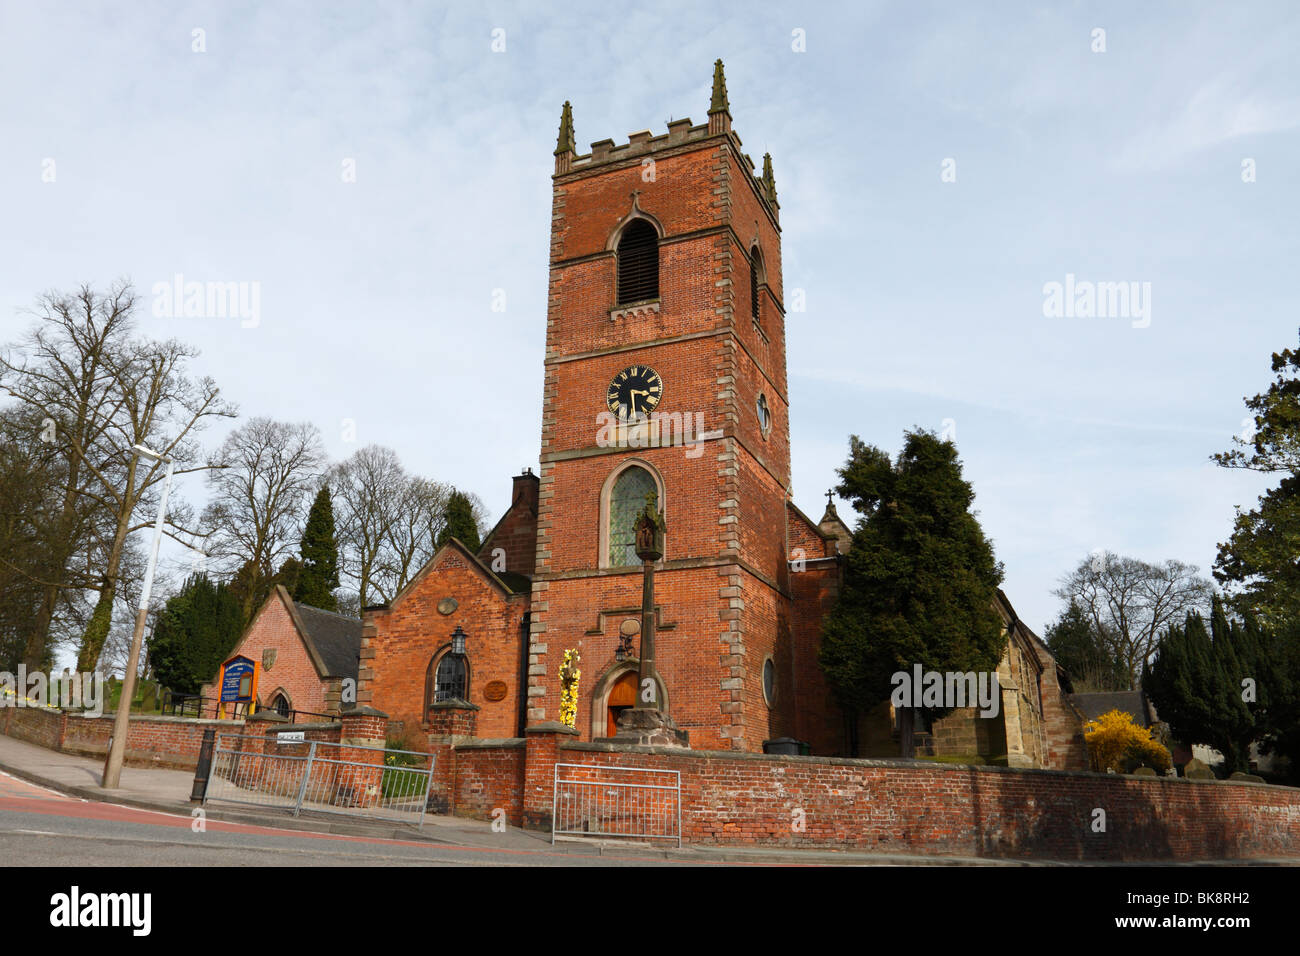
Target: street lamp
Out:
[122,719]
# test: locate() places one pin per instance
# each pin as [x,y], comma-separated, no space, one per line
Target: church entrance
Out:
[622,696]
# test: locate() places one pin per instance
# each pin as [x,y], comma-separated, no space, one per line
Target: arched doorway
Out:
[622,696]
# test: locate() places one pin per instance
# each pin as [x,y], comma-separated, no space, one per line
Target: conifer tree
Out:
[460,522]
[1078,647]
[920,579]
[1222,686]
[318,574]
[196,629]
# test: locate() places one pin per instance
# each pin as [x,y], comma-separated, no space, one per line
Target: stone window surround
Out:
[431,675]
[607,489]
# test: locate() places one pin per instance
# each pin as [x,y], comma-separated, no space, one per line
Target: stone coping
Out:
[290,728]
[488,743]
[161,719]
[899,764]
[551,727]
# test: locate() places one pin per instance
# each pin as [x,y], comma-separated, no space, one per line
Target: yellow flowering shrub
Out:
[569,677]
[1116,743]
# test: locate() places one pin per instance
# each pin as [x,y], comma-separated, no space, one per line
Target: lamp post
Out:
[122,719]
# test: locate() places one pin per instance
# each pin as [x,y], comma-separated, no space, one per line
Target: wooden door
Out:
[622,696]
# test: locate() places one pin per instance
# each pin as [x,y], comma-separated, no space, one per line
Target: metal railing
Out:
[318,775]
[623,802]
[196,705]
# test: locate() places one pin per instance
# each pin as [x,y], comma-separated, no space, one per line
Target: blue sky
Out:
[924,297]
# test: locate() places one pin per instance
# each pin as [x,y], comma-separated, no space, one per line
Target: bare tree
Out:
[62,375]
[421,514]
[1130,602]
[368,489]
[112,392]
[264,475]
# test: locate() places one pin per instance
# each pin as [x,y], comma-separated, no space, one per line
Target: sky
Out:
[381,172]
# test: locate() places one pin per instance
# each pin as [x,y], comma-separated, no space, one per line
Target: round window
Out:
[769,681]
[764,415]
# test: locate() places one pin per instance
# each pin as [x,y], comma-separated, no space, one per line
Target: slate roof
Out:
[1132,702]
[336,638]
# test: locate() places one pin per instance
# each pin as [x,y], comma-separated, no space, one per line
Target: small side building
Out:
[303,654]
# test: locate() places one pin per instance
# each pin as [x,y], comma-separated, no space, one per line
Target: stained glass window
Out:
[626,501]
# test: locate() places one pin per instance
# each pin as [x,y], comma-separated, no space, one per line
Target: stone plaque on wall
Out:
[495,691]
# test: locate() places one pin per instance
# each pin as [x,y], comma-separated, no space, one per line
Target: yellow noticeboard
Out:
[238,687]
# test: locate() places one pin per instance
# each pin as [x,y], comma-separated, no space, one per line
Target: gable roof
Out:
[336,638]
[524,586]
[333,641]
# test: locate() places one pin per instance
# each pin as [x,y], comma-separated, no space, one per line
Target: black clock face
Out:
[635,391]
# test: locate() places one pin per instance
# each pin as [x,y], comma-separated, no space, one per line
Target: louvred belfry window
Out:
[638,263]
[755,268]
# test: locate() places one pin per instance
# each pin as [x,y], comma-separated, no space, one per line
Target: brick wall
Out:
[488,776]
[750,799]
[151,741]
[399,643]
[38,725]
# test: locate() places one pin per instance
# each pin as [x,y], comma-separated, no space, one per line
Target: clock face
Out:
[635,391]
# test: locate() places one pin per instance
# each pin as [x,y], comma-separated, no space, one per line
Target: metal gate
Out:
[628,802]
[302,775]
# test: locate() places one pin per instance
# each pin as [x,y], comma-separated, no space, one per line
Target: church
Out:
[665,383]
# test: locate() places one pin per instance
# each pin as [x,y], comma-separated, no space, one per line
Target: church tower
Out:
[665,376]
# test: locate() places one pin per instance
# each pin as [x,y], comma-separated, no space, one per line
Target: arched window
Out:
[638,263]
[626,501]
[755,279]
[280,704]
[451,680]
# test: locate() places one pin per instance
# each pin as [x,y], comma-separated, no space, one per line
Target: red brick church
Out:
[665,380]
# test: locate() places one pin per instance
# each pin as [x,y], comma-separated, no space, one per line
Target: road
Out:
[40,827]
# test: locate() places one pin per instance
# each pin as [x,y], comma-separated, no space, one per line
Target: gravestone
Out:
[1248,777]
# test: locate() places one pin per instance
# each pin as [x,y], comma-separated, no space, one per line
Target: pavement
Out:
[168,791]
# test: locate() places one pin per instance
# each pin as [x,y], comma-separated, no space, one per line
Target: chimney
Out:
[526,490]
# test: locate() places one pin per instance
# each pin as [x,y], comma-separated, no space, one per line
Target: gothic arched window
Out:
[638,263]
[451,679]
[755,279]
[626,501]
[280,704]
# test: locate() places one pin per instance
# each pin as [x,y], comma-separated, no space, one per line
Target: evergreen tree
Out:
[460,522]
[318,575]
[920,579]
[1260,562]
[1076,645]
[1220,686]
[195,633]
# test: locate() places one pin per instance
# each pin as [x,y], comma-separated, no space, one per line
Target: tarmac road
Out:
[40,827]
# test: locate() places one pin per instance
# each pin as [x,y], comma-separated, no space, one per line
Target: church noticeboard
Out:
[237,680]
